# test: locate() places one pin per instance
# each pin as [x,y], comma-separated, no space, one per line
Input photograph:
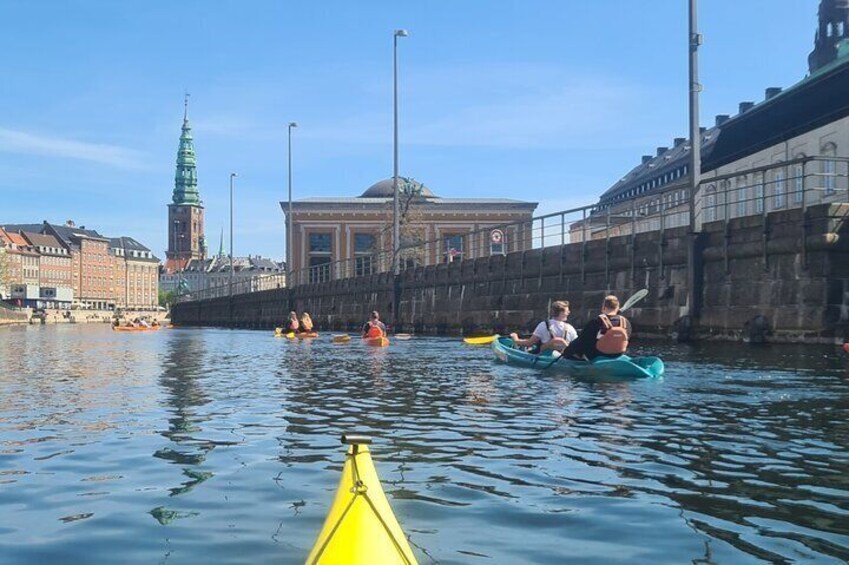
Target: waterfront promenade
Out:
[206,445]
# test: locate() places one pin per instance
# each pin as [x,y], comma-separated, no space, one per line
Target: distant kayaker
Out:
[374,327]
[292,324]
[306,323]
[605,335]
[555,333]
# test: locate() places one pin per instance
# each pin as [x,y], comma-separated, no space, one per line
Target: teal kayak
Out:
[622,367]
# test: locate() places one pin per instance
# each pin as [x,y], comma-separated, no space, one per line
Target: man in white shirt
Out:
[555,333]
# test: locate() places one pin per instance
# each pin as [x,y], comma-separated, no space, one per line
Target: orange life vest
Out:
[374,331]
[613,339]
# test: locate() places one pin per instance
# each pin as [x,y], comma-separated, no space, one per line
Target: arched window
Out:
[742,196]
[799,180]
[710,204]
[829,30]
[840,29]
[829,168]
[779,189]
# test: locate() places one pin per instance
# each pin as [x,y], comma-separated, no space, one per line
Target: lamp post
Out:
[396,231]
[695,40]
[289,215]
[232,176]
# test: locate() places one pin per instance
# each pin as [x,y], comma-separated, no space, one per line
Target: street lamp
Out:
[289,223]
[396,235]
[232,176]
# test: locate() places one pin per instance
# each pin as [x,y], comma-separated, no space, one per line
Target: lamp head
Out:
[293,124]
[233,175]
[402,33]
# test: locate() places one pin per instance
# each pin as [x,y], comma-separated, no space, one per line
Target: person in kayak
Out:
[606,335]
[292,324]
[374,327]
[306,324]
[556,333]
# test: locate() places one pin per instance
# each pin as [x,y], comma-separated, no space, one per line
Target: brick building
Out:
[55,280]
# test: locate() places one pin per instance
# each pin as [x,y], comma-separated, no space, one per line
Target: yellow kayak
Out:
[341,338]
[278,332]
[483,340]
[360,528]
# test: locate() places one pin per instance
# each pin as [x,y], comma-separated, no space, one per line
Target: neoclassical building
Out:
[338,237]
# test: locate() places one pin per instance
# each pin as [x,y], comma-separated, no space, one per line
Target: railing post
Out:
[804,257]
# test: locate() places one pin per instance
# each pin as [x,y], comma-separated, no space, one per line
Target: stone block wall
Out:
[780,277]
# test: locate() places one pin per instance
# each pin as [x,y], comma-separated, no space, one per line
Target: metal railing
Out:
[718,198]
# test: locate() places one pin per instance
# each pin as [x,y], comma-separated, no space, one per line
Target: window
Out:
[710,204]
[779,190]
[453,247]
[839,31]
[364,249]
[829,168]
[319,257]
[799,183]
[759,193]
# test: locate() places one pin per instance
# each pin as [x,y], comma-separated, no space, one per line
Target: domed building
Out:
[339,237]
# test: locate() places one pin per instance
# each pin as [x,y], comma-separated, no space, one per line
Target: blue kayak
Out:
[623,367]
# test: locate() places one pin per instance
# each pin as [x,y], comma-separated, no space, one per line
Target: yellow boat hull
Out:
[360,528]
[341,338]
[484,340]
[376,341]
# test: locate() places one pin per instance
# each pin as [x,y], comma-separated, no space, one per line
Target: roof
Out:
[221,264]
[42,240]
[430,201]
[386,188]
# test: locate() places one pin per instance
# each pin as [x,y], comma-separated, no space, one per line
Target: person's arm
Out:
[530,342]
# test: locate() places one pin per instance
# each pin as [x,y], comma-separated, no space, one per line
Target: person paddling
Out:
[605,335]
[292,324]
[374,327]
[555,333]
[306,323]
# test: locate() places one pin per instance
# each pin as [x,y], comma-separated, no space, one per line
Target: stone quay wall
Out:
[779,277]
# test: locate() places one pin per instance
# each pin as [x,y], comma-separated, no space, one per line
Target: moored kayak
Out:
[341,338]
[360,528]
[376,341]
[481,340]
[624,367]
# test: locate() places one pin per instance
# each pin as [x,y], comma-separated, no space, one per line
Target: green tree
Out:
[166,298]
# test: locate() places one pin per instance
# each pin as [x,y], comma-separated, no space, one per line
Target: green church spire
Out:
[221,245]
[185,179]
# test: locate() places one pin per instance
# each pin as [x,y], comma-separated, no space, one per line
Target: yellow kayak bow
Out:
[341,338]
[360,528]
[484,340]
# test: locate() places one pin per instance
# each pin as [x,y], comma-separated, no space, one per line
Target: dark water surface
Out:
[217,446]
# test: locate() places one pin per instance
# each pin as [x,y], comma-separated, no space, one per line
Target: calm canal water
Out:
[218,446]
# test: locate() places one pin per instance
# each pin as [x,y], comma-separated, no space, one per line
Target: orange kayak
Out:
[132,329]
[306,335]
[376,341]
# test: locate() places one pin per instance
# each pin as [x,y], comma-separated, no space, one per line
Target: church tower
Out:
[185,213]
[832,29]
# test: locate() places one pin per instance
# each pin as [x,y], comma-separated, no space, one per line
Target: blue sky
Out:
[549,101]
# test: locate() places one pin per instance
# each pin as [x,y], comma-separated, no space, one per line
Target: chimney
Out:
[646,159]
[721,119]
[702,129]
[662,150]
[678,141]
[772,92]
[70,224]
[746,106]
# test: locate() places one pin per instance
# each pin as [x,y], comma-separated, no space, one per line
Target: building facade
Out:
[186,241]
[791,150]
[136,280]
[55,282]
[343,237]
[212,276]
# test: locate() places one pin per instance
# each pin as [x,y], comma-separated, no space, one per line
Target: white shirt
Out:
[559,329]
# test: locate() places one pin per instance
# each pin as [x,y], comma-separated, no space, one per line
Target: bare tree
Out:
[413,230]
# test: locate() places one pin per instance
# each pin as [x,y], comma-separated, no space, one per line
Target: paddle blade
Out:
[639,295]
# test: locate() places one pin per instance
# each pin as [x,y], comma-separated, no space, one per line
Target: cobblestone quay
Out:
[783,276]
